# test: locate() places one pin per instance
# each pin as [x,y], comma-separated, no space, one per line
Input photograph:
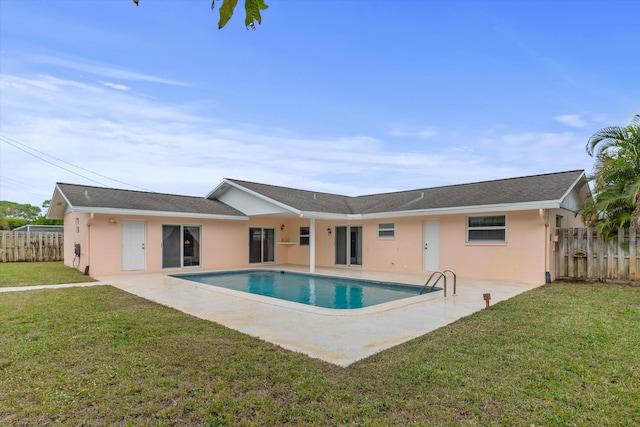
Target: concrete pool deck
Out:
[340,337]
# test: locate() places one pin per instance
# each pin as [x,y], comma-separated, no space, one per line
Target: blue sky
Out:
[343,96]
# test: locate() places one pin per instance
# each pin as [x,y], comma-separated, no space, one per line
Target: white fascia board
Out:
[55,202]
[505,207]
[575,194]
[578,187]
[327,215]
[220,188]
[115,211]
[575,183]
[217,192]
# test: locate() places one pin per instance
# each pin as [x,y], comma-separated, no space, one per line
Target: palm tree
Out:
[616,178]
[251,7]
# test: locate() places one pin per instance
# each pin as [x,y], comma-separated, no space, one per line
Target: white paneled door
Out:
[134,236]
[431,245]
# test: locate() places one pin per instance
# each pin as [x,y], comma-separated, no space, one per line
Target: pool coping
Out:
[340,339]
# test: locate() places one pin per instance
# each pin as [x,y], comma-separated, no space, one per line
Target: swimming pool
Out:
[310,289]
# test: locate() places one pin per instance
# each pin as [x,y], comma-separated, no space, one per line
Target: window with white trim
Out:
[558,221]
[491,228]
[304,236]
[386,229]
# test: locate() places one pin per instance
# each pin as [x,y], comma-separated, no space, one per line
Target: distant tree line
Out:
[14,215]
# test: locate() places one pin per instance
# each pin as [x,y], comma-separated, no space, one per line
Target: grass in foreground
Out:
[560,355]
[38,273]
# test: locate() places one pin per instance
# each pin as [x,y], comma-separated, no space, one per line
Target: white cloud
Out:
[104,70]
[179,148]
[423,133]
[573,120]
[116,86]
[531,153]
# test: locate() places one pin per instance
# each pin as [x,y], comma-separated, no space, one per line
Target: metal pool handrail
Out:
[455,279]
[441,275]
[434,283]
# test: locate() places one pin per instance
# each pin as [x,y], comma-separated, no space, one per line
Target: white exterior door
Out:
[431,245]
[133,245]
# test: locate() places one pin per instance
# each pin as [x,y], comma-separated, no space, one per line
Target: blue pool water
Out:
[319,291]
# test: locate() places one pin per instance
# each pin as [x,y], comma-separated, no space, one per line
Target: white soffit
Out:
[576,194]
[249,204]
[58,205]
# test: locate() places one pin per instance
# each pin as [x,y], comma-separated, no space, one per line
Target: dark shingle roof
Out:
[529,189]
[81,196]
[303,200]
[536,188]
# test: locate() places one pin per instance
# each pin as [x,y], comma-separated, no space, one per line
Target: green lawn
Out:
[38,273]
[564,354]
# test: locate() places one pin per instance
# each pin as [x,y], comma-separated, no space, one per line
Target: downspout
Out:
[547,274]
[86,268]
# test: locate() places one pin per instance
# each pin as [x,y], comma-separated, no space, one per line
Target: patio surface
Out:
[335,336]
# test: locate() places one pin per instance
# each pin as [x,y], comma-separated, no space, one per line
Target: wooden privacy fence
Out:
[18,246]
[582,253]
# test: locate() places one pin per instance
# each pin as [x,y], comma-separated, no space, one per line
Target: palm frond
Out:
[616,178]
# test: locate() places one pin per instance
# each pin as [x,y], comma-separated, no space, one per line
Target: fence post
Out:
[570,245]
[3,247]
[620,270]
[633,267]
[590,253]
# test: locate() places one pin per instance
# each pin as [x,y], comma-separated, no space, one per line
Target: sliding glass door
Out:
[348,245]
[190,246]
[262,246]
[180,246]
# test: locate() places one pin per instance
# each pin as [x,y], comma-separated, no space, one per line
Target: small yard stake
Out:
[486,297]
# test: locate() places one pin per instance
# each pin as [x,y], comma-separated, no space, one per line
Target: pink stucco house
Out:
[496,230]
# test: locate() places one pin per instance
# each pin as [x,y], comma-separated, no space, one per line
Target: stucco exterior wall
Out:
[76,231]
[106,245]
[288,243]
[521,258]
[325,243]
[225,244]
[401,253]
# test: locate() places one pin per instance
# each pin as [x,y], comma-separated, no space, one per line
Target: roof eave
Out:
[220,188]
[58,199]
[503,207]
[171,214]
[585,183]
[328,215]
